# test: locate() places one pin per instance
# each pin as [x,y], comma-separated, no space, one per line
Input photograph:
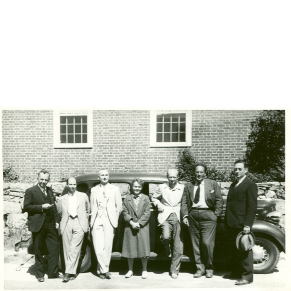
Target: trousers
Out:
[73,237]
[103,234]
[171,231]
[241,261]
[202,229]
[46,237]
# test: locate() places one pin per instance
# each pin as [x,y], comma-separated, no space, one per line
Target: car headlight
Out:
[274,217]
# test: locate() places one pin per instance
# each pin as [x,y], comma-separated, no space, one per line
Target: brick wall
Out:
[121,142]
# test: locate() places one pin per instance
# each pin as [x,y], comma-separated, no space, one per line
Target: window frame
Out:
[153,129]
[57,134]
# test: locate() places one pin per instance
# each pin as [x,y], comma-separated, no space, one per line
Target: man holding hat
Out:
[240,213]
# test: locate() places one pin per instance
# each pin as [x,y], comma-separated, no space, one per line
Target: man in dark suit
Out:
[43,222]
[240,213]
[201,205]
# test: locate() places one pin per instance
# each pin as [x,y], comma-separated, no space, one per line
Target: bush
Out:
[186,165]
[9,175]
[265,152]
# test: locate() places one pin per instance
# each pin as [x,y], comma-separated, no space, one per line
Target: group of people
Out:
[197,205]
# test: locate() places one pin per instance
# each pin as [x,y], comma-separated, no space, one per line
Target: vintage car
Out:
[270,236]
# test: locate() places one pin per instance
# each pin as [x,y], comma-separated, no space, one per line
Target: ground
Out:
[158,276]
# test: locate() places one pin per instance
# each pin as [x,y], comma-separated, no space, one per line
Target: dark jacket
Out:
[213,197]
[33,200]
[241,204]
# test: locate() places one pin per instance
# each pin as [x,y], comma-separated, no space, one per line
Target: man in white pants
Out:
[106,206]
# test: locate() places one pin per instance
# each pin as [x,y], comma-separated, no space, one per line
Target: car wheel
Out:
[86,259]
[266,255]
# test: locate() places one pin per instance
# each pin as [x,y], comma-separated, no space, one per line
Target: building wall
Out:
[121,142]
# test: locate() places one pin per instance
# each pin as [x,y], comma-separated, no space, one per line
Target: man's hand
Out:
[246,230]
[57,226]
[46,206]
[134,225]
[161,209]
[185,221]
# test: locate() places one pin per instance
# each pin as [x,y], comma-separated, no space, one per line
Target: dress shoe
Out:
[198,274]
[72,277]
[144,274]
[66,278]
[108,275]
[230,276]
[242,282]
[128,274]
[40,279]
[209,274]
[102,276]
[174,276]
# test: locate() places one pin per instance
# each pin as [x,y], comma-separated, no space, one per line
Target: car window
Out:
[123,187]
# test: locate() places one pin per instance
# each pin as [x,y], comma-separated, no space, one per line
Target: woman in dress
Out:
[136,240]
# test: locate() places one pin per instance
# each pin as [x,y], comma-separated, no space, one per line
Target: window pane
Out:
[182,137]
[182,127]
[70,128]
[159,137]
[63,119]
[84,138]
[167,118]
[175,137]
[77,128]
[70,138]
[63,128]
[84,119]
[167,137]
[159,127]
[167,127]
[174,127]
[78,119]
[63,138]
[78,138]
[70,119]
[159,118]
[84,128]
[183,117]
[175,117]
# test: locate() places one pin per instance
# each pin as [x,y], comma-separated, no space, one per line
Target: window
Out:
[73,129]
[171,128]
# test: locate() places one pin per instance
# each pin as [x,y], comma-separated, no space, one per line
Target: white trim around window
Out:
[170,128]
[73,128]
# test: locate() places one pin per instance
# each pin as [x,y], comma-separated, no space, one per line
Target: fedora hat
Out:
[245,241]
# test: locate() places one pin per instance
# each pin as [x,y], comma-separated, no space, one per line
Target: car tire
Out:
[266,255]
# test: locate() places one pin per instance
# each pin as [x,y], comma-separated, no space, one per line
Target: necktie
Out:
[197,194]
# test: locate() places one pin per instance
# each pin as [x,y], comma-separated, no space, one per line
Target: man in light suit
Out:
[241,207]
[43,222]
[106,206]
[202,203]
[168,200]
[74,209]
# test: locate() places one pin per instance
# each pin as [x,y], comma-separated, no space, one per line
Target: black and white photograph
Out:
[195,196]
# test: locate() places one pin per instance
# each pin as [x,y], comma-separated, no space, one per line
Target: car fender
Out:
[269,229]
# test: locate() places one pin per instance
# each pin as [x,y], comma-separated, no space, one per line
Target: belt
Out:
[199,208]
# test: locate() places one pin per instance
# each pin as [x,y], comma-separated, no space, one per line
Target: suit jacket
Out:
[33,200]
[241,204]
[165,203]
[113,206]
[213,197]
[83,210]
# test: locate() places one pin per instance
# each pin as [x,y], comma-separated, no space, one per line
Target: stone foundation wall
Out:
[15,221]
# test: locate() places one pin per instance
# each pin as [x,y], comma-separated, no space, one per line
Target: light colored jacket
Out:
[113,205]
[162,201]
[83,210]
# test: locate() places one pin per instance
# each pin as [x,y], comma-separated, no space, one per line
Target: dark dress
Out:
[136,243]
